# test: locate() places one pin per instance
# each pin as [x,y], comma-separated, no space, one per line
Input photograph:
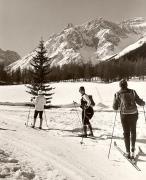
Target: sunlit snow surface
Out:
[55,153]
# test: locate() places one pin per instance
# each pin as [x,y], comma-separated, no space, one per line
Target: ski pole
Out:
[83,125]
[77,113]
[144,113]
[46,119]
[99,95]
[26,123]
[112,135]
[79,121]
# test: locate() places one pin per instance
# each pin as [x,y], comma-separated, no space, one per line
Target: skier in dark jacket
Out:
[87,111]
[126,100]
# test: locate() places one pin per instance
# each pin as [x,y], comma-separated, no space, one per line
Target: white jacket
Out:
[39,102]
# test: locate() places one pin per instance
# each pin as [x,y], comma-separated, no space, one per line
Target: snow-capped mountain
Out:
[132,48]
[132,52]
[94,41]
[136,25]
[8,57]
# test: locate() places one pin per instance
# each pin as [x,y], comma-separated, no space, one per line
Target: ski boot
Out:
[91,131]
[127,155]
[91,134]
[133,157]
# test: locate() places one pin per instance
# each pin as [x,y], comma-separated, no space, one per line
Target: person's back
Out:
[40,103]
[126,100]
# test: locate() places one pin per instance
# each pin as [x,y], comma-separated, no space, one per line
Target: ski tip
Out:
[140,150]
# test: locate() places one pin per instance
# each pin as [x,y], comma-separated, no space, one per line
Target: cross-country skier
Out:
[126,100]
[87,112]
[39,103]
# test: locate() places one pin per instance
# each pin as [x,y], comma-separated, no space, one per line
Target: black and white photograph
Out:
[72,89]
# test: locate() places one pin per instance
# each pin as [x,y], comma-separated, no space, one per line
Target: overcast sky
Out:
[23,22]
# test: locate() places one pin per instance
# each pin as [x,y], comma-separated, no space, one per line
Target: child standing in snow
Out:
[126,99]
[39,102]
[87,111]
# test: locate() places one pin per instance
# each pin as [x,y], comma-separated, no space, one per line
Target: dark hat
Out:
[123,83]
[82,88]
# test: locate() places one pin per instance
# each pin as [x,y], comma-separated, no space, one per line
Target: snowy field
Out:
[55,153]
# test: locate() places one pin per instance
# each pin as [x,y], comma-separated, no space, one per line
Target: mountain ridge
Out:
[7,57]
[95,41]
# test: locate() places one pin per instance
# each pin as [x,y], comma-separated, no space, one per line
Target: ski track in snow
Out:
[56,154]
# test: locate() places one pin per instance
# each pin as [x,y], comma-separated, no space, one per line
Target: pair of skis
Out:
[132,161]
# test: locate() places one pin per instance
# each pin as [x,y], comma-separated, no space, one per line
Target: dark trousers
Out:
[36,114]
[40,116]
[129,127]
[87,115]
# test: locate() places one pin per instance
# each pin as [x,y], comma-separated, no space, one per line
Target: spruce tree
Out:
[39,74]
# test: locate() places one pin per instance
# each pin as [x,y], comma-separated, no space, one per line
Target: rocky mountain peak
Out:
[7,57]
[136,25]
[94,41]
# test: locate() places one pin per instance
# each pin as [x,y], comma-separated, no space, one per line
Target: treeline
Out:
[105,71]
[14,77]
[4,77]
[108,71]
[72,72]
[116,70]
[124,68]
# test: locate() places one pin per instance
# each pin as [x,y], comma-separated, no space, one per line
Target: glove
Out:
[75,102]
[143,104]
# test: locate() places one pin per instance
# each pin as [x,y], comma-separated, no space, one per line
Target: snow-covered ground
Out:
[55,153]
[66,93]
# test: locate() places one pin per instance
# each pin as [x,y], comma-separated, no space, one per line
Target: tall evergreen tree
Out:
[39,73]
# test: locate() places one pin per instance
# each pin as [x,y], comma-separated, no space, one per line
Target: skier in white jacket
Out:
[39,103]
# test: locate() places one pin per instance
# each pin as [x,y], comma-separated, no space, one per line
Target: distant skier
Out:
[126,100]
[39,103]
[87,112]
